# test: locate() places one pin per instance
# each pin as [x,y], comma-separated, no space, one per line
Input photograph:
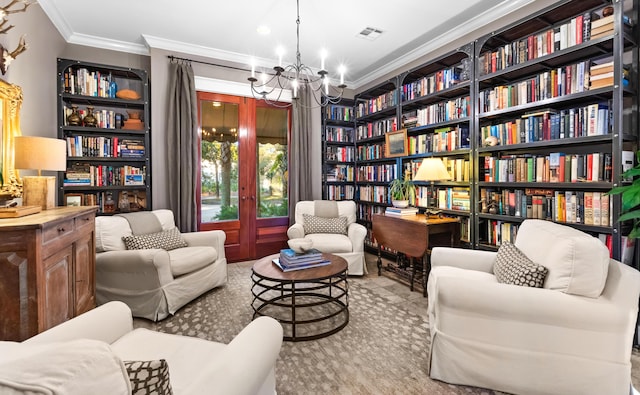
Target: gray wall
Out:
[35,71]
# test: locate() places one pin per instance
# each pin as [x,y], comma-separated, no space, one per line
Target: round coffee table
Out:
[309,303]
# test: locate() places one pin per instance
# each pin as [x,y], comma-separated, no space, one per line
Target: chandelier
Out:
[296,77]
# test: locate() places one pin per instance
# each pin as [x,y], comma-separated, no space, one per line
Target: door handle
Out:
[253,198]
[244,198]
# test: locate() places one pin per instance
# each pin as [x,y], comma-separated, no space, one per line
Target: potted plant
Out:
[630,211]
[402,191]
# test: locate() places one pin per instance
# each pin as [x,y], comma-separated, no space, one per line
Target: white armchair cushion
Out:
[80,366]
[109,233]
[190,259]
[330,242]
[578,263]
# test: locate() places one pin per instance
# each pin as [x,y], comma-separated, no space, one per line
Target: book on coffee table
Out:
[289,268]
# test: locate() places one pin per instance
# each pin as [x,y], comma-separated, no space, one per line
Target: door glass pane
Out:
[272,126]
[219,166]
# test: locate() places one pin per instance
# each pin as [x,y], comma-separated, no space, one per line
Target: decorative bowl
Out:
[300,245]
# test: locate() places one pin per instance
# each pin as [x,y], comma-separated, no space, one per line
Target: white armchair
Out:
[573,336]
[155,282]
[349,245]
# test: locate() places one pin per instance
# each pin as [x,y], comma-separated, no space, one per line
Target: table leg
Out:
[425,272]
[293,310]
[413,273]
[379,261]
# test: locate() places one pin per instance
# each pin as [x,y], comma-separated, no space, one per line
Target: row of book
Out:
[104,147]
[553,167]
[339,113]
[373,193]
[577,30]
[550,124]
[442,79]
[290,260]
[444,111]
[371,151]
[137,200]
[340,192]
[340,173]
[441,140]
[576,207]
[377,173]
[342,154]
[366,211]
[379,103]
[83,174]
[106,119]
[376,128]
[337,134]
[89,83]
[557,82]
[448,198]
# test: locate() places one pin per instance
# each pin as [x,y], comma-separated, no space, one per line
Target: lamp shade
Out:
[40,153]
[432,169]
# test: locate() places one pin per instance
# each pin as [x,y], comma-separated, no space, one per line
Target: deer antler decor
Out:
[6,10]
[7,57]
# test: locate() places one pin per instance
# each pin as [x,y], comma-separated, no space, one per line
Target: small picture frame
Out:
[73,199]
[396,143]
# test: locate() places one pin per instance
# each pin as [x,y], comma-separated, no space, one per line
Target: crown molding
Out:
[441,41]
[105,43]
[56,18]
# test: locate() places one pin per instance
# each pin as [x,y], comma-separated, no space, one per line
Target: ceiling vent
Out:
[370,33]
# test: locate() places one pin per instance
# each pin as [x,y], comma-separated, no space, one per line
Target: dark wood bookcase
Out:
[541,124]
[338,148]
[112,158]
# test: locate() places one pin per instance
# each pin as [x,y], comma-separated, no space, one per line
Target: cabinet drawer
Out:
[84,220]
[58,230]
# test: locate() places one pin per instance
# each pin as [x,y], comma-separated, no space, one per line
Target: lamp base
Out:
[39,191]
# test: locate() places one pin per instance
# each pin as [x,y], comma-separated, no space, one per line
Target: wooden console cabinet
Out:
[47,270]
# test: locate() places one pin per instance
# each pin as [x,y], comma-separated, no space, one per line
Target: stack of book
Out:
[601,75]
[602,27]
[401,212]
[290,260]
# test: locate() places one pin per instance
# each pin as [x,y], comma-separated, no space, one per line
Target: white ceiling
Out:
[228,30]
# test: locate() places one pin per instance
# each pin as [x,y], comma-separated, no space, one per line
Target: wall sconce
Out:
[40,153]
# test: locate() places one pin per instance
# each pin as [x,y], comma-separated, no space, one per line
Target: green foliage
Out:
[227,212]
[402,189]
[273,209]
[630,199]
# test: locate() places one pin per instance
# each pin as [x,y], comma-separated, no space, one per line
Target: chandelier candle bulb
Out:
[253,68]
[323,56]
[341,75]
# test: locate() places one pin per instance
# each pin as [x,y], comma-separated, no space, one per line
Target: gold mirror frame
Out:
[11,101]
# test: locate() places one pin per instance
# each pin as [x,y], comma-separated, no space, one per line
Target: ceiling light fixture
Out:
[296,75]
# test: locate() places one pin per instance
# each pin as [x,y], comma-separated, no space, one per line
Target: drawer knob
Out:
[60,230]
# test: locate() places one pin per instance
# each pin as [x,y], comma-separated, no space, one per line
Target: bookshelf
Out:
[338,147]
[104,116]
[550,129]
[551,113]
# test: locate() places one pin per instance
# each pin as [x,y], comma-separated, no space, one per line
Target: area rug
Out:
[383,349]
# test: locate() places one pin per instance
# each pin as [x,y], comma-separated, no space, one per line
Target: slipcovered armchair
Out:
[332,227]
[144,261]
[573,335]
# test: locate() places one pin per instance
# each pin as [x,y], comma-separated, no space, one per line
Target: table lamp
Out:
[431,169]
[40,153]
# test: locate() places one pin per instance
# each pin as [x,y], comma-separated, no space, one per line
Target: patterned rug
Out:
[383,349]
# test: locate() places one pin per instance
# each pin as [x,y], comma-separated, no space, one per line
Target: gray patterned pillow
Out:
[313,224]
[513,267]
[166,240]
[149,377]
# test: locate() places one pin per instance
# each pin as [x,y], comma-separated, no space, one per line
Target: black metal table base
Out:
[299,305]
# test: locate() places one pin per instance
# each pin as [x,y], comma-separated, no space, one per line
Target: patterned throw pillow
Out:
[149,377]
[313,224]
[166,240]
[513,267]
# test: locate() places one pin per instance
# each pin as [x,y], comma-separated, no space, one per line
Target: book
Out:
[291,255]
[289,268]
[404,210]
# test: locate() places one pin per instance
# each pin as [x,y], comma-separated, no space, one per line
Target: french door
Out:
[243,173]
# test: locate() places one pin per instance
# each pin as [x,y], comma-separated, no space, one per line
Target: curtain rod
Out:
[207,63]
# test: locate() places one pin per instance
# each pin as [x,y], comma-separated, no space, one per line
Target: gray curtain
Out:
[300,152]
[182,145]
